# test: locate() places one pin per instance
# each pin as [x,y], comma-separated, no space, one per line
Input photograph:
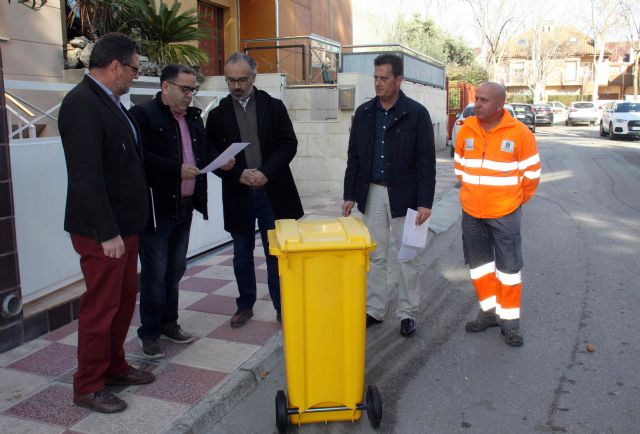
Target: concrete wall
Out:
[32,41]
[322,144]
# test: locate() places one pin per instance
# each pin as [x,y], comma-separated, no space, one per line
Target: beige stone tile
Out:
[263,311]
[22,351]
[216,354]
[18,385]
[210,260]
[14,425]
[144,415]
[200,323]
[217,272]
[187,298]
[72,339]
[231,289]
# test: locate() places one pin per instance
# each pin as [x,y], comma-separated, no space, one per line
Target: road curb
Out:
[219,401]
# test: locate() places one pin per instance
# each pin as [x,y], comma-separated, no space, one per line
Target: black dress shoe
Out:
[407,327]
[371,321]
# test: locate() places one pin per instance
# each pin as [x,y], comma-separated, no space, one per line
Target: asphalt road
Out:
[581,238]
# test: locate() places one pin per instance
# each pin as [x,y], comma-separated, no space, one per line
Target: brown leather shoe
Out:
[241,317]
[101,401]
[130,378]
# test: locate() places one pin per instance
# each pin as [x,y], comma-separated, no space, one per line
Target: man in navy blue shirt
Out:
[390,168]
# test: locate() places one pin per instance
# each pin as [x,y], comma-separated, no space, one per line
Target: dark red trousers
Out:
[105,311]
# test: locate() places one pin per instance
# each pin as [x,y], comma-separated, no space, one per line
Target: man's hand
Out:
[347,206]
[247,176]
[422,215]
[253,178]
[229,164]
[259,178]
[187,171]
[113,248]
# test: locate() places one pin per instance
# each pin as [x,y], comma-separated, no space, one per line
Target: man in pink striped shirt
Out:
[175,146]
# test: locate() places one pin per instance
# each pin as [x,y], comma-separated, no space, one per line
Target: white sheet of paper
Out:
[407,253]
[226,155]
[413,235]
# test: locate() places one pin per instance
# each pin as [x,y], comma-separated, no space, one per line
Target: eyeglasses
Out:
[135,69]
[186,90]
[241,81]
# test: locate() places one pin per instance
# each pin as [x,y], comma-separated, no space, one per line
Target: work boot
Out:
[512,338]
[483,321]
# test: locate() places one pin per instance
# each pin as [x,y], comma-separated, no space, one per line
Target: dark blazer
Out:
[106,192]
[278,145]
[162,145]
[409,156]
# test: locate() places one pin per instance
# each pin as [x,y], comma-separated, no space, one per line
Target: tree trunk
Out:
[597,63]
[635,75]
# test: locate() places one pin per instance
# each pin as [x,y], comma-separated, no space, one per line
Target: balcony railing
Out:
[418,67]
[308,59]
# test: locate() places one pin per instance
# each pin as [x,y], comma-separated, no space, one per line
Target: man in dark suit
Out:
[260,186]
[390,168]
[106,210]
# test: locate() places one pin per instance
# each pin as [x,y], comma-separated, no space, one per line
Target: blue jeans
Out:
[163,255]
[258,208]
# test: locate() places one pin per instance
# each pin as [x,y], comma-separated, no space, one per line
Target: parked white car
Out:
[467,112]
[583,112]
[621,119]
[560,111]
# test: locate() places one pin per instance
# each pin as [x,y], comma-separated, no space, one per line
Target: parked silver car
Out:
[621,119]
[583,113]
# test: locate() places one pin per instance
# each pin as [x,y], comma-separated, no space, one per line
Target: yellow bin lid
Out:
[341,233]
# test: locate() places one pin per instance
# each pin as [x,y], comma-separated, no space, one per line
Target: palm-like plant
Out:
[163,32]
[96,17]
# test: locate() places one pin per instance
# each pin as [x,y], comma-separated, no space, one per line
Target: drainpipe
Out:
[277,32]
[11,329]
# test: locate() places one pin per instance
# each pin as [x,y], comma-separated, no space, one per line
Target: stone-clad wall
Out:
[322,143]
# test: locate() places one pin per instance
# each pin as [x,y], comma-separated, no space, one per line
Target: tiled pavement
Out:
[35,378]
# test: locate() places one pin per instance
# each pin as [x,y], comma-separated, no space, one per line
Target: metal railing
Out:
[26,114]
[309,59]
[418,67]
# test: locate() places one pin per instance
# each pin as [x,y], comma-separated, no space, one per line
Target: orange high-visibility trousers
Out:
[492,248]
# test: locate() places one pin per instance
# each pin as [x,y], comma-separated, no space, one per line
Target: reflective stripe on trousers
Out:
[492,248]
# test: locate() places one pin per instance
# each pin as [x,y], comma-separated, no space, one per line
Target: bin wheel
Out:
[374,406]
[282,419]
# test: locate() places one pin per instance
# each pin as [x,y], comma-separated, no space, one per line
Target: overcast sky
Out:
[373,18]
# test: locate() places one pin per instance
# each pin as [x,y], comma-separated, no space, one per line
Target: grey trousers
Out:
[382,227]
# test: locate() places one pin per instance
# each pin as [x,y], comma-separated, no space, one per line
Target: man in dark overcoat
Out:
[260,186]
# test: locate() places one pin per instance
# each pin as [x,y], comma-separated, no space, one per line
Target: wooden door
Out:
[211,16]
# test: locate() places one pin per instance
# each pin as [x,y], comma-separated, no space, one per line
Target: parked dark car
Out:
[544,115]
[526,115]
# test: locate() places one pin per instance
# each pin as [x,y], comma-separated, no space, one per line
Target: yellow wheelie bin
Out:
[323,268]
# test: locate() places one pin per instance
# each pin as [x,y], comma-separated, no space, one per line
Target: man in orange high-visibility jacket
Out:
[497,162]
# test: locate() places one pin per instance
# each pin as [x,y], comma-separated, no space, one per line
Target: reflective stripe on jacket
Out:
[499,169]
